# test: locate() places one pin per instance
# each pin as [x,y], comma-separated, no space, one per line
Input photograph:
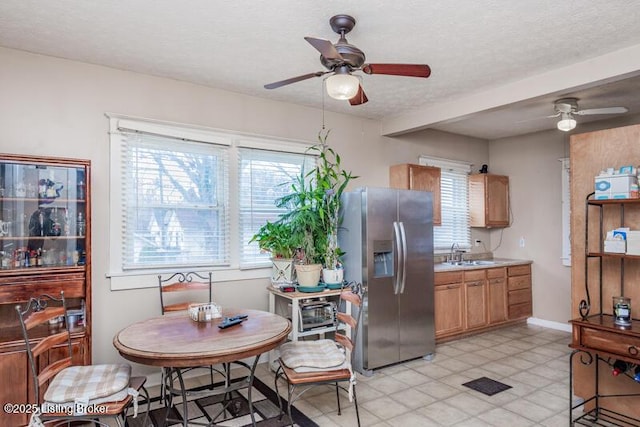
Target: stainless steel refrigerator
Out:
[387,235]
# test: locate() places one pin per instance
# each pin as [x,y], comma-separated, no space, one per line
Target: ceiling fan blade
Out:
[606,110]
[325,47]
[409,70]
[285,82]
[360,97]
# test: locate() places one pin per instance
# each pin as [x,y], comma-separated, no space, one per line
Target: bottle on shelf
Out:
[619,367]
[80,224]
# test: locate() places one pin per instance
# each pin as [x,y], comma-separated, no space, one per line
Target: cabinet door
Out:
[497,201]
[488,200]
[476,304]
[497,300]
[418,177]
[448,310]
[13,371]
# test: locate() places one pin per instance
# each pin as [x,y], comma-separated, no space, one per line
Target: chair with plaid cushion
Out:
[64,392]
[307,364]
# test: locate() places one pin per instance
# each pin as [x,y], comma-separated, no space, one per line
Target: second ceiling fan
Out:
[342,59]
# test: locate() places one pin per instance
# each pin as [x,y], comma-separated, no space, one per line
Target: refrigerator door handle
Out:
[398,257]
[403,238]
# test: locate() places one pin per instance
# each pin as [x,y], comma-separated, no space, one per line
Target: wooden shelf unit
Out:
[43,228]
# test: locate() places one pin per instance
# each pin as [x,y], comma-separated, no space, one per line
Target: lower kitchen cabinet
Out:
[497,291]
[448,303]
[475,295]
[519,292]
[474,300]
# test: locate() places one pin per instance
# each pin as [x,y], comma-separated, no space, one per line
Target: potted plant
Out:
[331,180]
[277,239]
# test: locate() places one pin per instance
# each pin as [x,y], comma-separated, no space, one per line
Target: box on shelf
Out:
[633,242]
[615,186]
[616,240]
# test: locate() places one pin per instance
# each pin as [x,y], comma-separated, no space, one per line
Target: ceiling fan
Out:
[342,59]
[566,108]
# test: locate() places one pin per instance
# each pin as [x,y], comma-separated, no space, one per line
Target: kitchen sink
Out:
[469,263]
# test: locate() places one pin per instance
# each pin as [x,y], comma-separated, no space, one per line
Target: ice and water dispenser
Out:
[382,258]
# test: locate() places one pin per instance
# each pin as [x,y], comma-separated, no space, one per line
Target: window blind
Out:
[454,194]
[264,176]
[176,202]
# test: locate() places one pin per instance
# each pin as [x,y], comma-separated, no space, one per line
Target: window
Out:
[184,196]
[263,178]
[454,194]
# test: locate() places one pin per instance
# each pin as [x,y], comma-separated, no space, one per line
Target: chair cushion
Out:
[96,383]
[319,354]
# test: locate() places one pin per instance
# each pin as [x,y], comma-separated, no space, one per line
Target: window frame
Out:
[122,279]
[457,167]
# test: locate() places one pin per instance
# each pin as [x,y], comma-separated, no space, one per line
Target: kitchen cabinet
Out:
[418,177]
[45,248]
[475,296]
[448,303]
[519,292]
[497,295]
[488,200]
[474,300]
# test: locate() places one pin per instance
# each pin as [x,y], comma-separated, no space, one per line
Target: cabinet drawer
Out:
[445,277]
[519,296]
[517,311]
[519,282]
[496,272]
[473,275]
[519,270]
[611,342]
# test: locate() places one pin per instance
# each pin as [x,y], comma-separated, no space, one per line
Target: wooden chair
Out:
[64,392]
[297,362]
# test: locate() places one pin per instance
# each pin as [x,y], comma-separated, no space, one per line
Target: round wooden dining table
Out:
[174,341]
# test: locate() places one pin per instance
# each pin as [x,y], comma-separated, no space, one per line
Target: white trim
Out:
[565,327]
[284,146]
[566,211]
[448,164]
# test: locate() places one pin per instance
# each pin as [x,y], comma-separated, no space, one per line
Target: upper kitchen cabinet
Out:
[489,200]
[417,177]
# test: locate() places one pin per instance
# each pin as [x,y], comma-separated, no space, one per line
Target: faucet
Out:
[455,256]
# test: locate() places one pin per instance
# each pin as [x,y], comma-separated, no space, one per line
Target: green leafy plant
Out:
[276,238]
[313,210]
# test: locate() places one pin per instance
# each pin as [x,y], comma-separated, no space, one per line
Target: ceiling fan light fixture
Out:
[342,86]
[566,122]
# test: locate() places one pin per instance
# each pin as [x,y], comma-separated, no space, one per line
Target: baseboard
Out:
[565,327]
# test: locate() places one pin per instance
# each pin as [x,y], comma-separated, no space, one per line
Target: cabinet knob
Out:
[633,350]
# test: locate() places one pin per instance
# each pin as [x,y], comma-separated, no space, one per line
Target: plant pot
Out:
[332,276]
[308,274]
[282,271]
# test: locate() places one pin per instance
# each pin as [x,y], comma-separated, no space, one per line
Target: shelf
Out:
[11,238]
[612,255]
[603,202]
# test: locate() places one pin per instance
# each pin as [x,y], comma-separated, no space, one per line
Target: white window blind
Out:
[175,202]
[264,176]
[454,193]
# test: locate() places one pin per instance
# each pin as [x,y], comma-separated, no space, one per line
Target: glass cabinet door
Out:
[42,216]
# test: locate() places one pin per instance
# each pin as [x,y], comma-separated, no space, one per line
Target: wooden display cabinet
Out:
[418,177]
[45,247]
[488,200]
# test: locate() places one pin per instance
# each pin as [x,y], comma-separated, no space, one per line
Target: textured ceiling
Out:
[472,46]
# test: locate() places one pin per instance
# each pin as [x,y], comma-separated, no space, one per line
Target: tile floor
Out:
[533,360]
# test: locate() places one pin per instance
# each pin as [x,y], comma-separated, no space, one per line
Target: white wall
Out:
[55,107]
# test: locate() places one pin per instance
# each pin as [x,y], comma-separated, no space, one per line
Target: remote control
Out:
[228,322]
[238,317]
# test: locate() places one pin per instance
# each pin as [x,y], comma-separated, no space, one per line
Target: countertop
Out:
[497,262]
